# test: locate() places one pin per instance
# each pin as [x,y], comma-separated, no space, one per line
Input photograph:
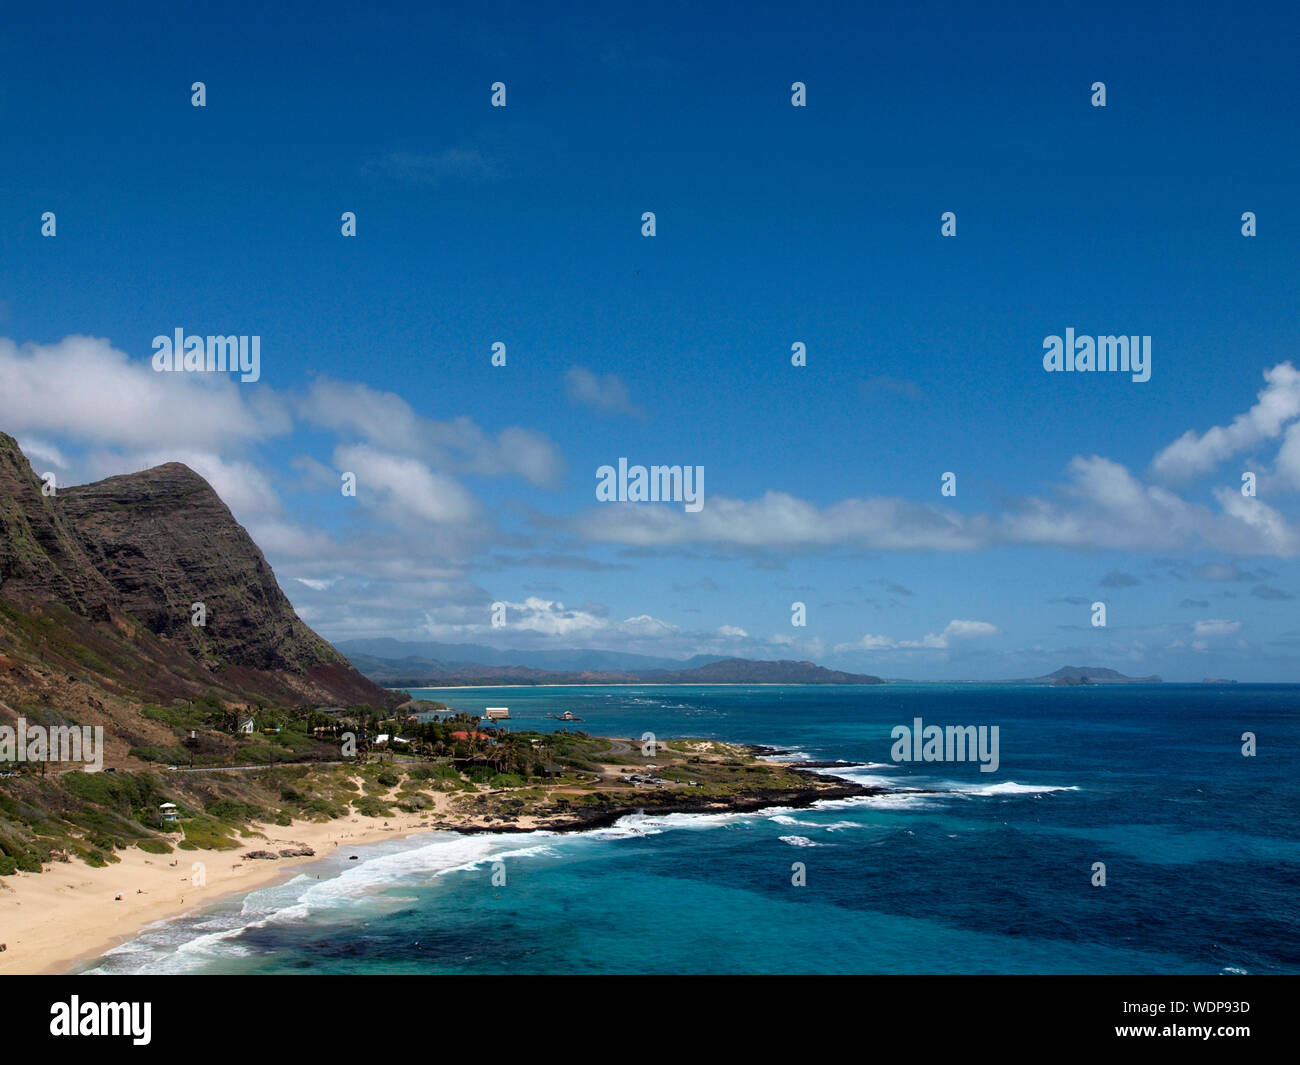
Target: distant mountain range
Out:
[419,672]
[399,664]
[441,656]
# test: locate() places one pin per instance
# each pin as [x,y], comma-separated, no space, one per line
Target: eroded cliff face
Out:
[41,558]
[165,541]
[105,577]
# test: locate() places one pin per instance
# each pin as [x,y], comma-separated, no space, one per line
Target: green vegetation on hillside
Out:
[481,779]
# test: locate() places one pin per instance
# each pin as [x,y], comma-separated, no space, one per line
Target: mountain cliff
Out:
[98,582]
[165,541]
[41,558]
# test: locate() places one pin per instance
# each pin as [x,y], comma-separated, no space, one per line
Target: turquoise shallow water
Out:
[993,874]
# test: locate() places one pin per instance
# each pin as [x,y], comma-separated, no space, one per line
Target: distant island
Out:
[1072,676]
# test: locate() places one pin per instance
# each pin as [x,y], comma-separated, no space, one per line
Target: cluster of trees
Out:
[459,737]
[462,738]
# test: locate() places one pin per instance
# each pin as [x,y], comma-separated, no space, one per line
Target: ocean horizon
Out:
[950,870]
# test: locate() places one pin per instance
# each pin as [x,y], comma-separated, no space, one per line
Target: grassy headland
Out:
[224,784]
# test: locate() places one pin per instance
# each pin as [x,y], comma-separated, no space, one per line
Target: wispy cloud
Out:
[104,397]
[1193,454]
[1116,579]
[1100,505]
[1215,627]
[458,446]
[883,383]
[955,631]
[433,168]
[604,393]
[1267,591]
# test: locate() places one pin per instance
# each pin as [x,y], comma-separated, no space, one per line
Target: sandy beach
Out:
[70,913]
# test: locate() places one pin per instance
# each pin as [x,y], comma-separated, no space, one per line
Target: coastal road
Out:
[232,768]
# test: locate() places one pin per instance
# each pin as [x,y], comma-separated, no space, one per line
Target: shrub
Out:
[29,862]
[207,833]
[325,807]
[233,810]
[371,807]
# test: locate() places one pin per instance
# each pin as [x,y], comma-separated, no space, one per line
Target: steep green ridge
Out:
[96,588]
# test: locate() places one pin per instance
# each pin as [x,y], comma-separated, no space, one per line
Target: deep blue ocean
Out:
[992,874]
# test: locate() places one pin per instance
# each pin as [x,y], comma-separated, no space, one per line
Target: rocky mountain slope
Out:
[41,558]
[97,585]
[165,541]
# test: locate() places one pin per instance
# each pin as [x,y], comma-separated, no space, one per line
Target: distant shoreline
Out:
[804,684]
[632,684]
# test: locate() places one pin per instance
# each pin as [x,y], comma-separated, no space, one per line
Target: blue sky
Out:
[775,224]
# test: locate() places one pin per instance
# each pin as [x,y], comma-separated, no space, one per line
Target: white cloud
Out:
[604,393]
[405,489]
[968,630]
[433,168]
[315,585]
[646,626]
[868,642]
[85,389]
[549,617]
[1287,467]
[955,630]
[43,453]
[1268,530]
[1101,505]
[806,647]
[1104,505]
[1190,454]
[779,519]
[1215,627]
[458,446]
[291,540]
